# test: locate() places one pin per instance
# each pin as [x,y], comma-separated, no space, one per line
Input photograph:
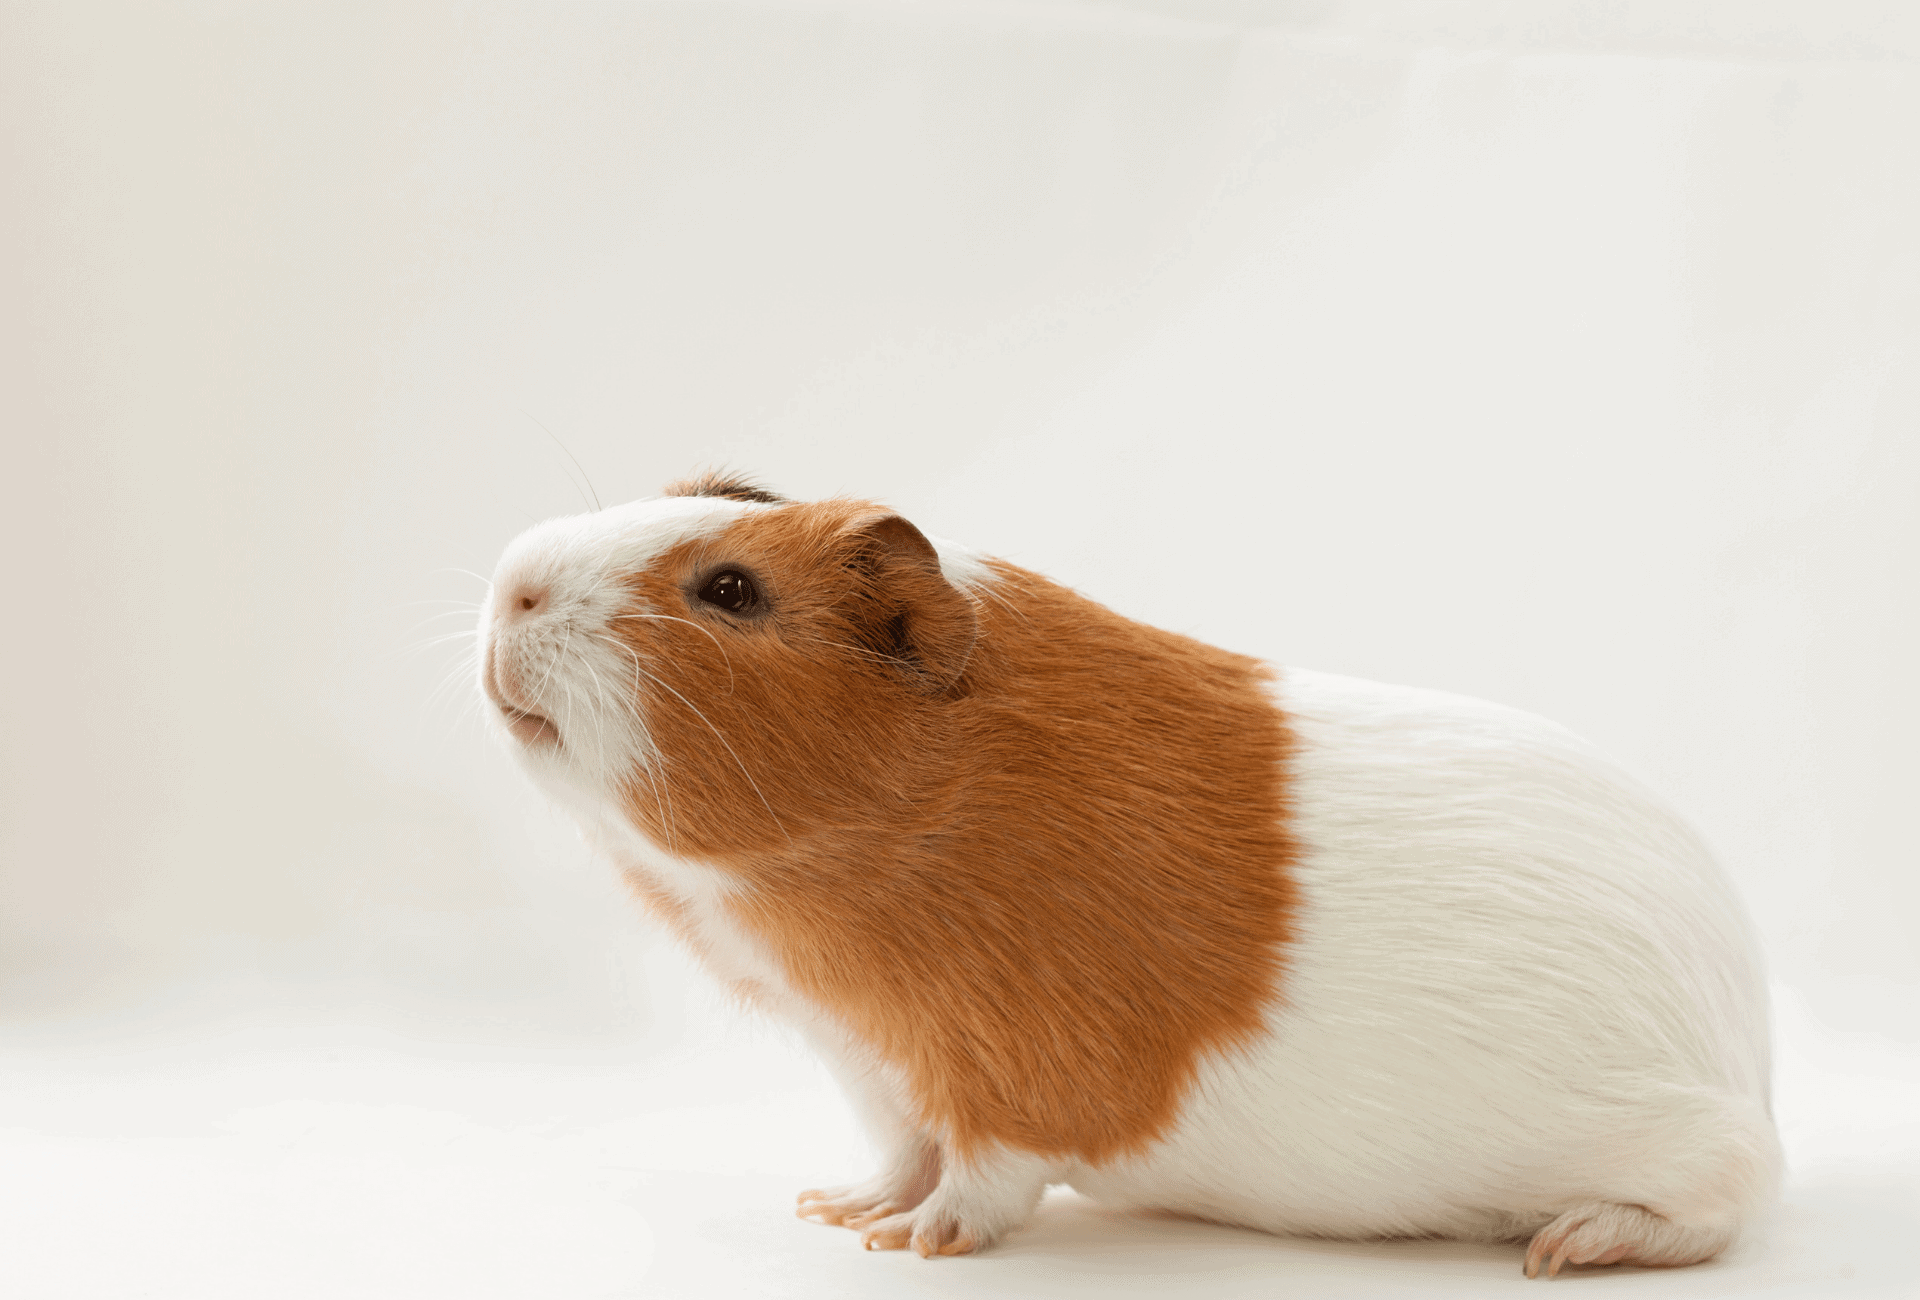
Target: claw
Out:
[819,1211]
[1602,1233]
[848,1207]
[886,1235]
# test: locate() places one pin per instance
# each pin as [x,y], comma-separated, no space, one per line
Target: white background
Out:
[1565,354]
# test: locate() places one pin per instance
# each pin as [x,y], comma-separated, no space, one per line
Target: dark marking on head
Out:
[712,484]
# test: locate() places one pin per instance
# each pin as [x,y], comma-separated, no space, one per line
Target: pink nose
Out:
[523,602]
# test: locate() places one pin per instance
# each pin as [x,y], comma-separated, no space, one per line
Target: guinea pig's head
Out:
[728,668]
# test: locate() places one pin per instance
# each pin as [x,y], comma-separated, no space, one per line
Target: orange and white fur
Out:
[1062,898]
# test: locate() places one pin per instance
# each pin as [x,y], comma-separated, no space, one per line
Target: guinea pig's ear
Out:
[910,612]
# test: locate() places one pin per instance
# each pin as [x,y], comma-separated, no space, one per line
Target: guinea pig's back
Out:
[1516,981]
[1489,865]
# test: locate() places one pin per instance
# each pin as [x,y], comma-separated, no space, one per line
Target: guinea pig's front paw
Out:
[929,1232]
[979,1200]
[857,1206]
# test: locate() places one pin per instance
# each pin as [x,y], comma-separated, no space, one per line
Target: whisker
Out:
[471,711]
[989,593]
[449,636]
[662,792]
[662,796]
[655,771]
[570,456]
[434,618]
[554,662]
[600,733]
[469,572]
[429,643]
[460,673]
[600,580]
[567,729]
[670,618]
[730,753]
[874,655]
[637,667]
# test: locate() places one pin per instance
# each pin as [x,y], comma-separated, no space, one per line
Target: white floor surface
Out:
[318,1164]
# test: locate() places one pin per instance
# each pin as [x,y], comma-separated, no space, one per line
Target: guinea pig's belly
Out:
[1271,1144]
[1516,984]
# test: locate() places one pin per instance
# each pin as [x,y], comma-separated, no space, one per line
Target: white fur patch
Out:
[731,955]
[964,567]
[566,662]
[1519,985]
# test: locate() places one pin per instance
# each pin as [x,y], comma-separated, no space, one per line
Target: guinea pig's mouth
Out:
[529,728]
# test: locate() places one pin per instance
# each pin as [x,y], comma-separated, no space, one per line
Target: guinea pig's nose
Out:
[523,602]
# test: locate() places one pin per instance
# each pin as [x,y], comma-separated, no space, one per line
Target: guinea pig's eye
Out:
[732,591]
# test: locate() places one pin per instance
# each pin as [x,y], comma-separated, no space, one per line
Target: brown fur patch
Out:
[1042,891]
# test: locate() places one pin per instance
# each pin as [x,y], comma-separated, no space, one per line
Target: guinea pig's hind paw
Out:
[1608,1233]
[1550,1244]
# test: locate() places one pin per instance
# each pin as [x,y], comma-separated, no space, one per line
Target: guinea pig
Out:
[1064,898]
